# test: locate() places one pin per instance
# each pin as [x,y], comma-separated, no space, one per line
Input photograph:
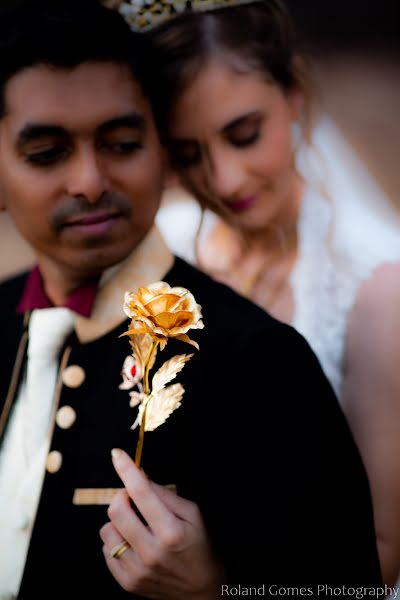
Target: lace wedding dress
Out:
[346,230]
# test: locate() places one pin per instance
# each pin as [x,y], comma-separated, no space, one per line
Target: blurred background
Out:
[355,51]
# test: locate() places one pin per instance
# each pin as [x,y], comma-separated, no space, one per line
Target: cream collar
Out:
[149,262]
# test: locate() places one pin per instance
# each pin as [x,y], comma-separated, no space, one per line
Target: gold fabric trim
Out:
[14,382]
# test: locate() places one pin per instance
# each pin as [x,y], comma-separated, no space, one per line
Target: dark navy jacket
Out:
[259,443]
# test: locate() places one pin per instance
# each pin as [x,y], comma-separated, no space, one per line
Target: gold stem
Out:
[139,447]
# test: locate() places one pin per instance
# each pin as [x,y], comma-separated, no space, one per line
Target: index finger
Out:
[159,518]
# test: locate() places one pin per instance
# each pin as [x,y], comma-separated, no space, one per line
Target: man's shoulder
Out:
[13,285]
[10,293]
[11,323]
[222,307]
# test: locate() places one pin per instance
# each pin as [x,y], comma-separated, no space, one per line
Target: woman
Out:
[229,96]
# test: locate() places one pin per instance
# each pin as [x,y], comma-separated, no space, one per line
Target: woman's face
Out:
[230,140]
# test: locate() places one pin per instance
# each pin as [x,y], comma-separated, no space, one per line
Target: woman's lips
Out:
[242,204]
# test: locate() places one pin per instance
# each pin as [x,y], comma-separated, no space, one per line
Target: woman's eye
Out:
[242,140]
[47,157]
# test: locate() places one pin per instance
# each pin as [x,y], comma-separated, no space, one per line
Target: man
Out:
[271,489]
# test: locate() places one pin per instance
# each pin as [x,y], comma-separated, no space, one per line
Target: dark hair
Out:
[258,36]
[64,34]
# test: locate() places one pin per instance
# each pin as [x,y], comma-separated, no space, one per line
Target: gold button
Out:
[73,376]
[65,417]
[54,461]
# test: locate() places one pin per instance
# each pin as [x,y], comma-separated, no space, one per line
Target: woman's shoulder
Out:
[379,295]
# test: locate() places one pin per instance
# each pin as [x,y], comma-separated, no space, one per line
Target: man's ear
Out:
[296,102]
[2,203]
[171,179]
[3,206]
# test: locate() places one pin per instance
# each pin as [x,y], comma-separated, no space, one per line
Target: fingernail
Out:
[115,452]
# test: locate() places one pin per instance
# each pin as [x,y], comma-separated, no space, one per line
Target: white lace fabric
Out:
[345,232]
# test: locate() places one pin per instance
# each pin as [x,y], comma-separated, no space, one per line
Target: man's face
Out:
[81,166]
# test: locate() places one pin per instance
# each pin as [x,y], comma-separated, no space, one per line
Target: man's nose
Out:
[87,177]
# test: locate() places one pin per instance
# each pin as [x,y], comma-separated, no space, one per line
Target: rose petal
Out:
[181,319]
[162,304]
[185,338]
[159,287]
[136,398]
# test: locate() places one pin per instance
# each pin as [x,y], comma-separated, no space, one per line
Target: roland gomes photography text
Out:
[317,591]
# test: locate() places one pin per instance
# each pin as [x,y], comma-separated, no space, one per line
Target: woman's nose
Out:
[225,176]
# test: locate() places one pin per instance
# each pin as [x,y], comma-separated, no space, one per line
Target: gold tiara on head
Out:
[142,15]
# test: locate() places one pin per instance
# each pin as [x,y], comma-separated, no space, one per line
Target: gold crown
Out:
[142,15]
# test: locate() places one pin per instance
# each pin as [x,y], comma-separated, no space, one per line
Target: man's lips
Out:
[92,224]
[91,219]
[241,204]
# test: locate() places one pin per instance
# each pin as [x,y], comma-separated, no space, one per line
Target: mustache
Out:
[79,206]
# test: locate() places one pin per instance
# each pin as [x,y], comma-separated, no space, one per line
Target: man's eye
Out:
[126,147]
[49,156]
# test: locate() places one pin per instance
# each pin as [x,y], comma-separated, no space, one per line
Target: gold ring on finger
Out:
[119,549]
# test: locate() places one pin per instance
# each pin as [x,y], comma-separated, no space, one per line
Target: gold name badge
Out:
[94,496]
[101,496]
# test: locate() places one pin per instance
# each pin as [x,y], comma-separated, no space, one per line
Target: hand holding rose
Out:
[170,558]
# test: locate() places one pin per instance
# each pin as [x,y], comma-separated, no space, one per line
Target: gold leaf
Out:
[169,371]
[144,400]
[141,346]
[161,405]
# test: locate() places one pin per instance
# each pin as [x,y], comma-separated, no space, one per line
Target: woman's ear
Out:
[298,94]
[296,101]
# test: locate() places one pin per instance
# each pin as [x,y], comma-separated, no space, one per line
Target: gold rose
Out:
[159,312]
